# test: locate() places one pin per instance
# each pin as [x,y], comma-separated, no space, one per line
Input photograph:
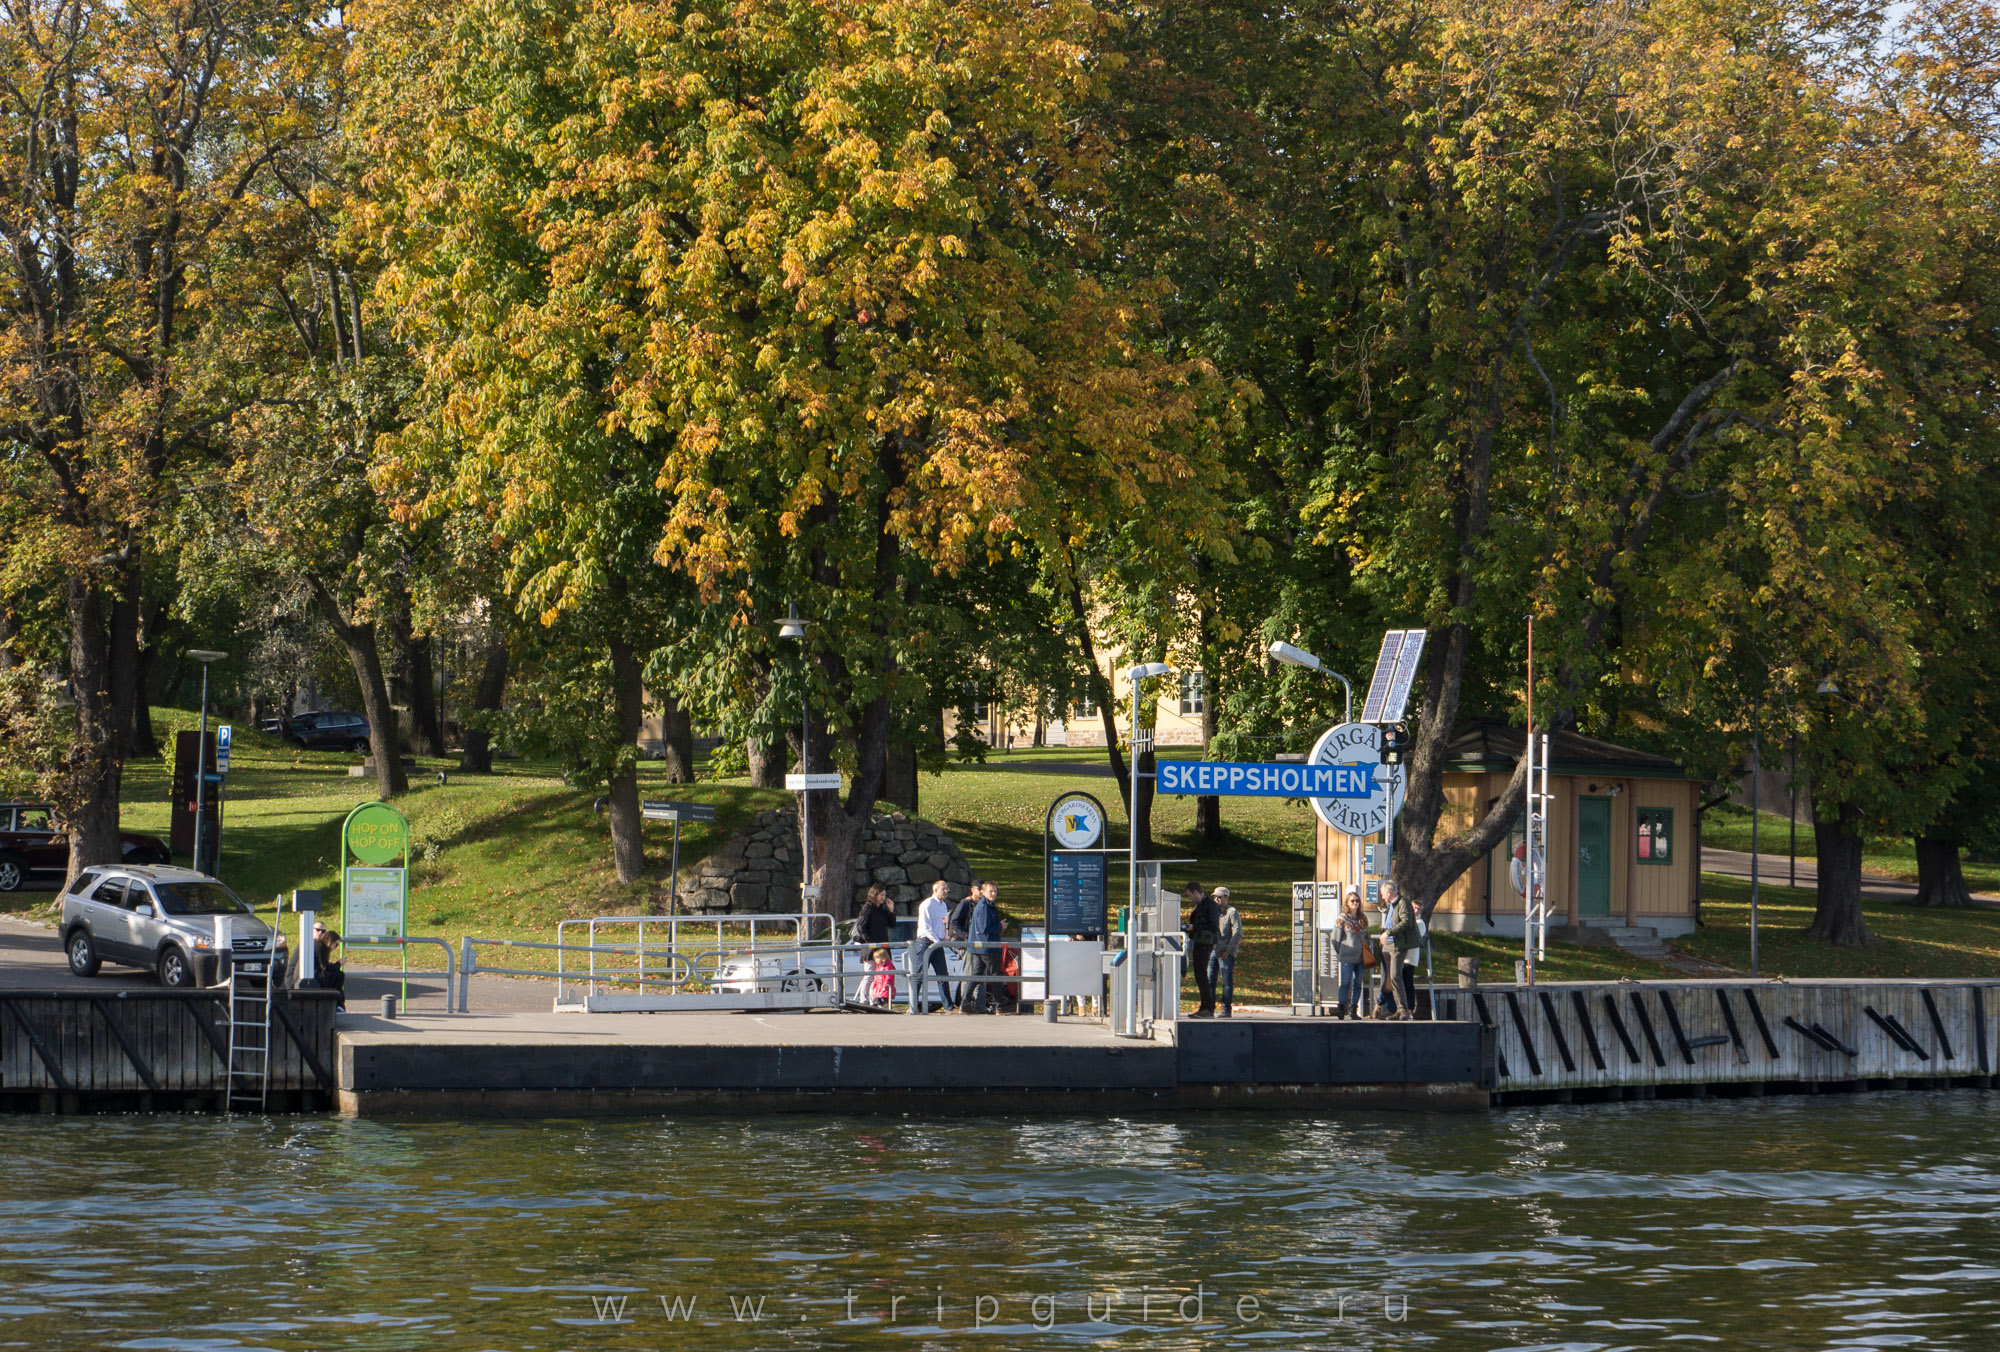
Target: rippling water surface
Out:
[1871,1221]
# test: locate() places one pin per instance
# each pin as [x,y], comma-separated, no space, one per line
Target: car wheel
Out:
[13,872]
[82,952]
[358,744]
[176,971]
[796,982]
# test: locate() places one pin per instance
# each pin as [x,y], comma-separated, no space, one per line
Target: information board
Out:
[372,903]
[1076,892]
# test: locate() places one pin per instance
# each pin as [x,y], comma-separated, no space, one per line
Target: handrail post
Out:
[465,960]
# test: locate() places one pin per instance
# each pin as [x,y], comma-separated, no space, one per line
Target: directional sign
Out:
[821,780]
[1276,780]
[677,812]
[222,749]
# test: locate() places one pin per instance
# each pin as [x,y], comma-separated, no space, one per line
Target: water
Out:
[1783,1223]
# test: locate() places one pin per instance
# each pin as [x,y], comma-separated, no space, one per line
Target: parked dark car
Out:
[331,731]
[33,846]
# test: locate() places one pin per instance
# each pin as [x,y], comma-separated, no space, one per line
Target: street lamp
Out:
[205,656]
[1143,672]
[794,627]
[1299,657]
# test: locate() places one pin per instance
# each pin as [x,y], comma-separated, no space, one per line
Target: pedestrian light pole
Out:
[1143,672]
[205,656]
[1299,657]
[794,627]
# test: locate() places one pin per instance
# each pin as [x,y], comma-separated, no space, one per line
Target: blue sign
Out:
[1076,893]
[1286,780]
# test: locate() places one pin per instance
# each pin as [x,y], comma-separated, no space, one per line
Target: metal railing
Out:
[687,963]
[403,944]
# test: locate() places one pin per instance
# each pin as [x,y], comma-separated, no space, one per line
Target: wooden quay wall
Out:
[147,1050]
[1563,1041]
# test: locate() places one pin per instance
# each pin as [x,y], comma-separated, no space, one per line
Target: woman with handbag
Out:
[1356,955]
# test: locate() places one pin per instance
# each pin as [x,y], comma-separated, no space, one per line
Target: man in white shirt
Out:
[929,949]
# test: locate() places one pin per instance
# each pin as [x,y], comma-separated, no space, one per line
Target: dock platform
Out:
[568,1064]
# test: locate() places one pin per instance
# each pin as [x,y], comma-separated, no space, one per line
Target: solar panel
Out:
[1406,675]
[1385,675]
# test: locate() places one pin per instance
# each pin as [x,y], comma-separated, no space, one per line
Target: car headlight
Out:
[204,943]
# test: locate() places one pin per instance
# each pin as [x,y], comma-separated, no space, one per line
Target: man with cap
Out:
[1222,966]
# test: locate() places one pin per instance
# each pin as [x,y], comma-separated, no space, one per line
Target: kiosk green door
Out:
[1593,856]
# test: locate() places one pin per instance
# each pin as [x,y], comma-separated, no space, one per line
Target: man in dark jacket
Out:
[1203,928]
[986,948]
[958,928]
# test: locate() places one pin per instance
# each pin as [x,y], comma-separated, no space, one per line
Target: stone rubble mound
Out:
[757,871]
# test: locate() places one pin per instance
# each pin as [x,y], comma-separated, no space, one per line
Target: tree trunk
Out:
[767,762]
[91,818]
[1208,807]
[1837,916]
[1940,874]
[413,657]
[629,696]
[899,776]
[128,694]
[677,739]
[152,618]
[383,743]
[1100,691]
[476,756]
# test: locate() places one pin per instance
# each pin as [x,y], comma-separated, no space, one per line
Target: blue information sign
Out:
[1282,780]
[1076,892]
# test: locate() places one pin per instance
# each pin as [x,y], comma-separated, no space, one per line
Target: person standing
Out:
[1202,930]
[1350,946]
[1402,940]
[985,941]
[1229,938]
[877,922]
[929,949]
[958,925]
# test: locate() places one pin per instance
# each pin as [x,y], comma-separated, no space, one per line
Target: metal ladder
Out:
[250,1028]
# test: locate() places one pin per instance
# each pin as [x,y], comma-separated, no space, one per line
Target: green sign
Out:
[374,899]
[376,833]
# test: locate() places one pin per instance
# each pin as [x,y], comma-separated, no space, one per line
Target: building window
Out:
[1194,693]
[1086,707]
[1656,835]
[981,708]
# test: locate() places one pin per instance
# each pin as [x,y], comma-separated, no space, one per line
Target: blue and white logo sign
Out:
[1347,745]
[222,740]
[1076,822]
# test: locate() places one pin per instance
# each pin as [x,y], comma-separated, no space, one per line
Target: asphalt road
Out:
[1775,870]
[31,958]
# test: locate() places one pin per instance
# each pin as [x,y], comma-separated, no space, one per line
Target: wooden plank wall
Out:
[1564,1036]
[151,1042]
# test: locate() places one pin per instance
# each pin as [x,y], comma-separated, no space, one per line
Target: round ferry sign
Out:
[1076,822]
[1358,743]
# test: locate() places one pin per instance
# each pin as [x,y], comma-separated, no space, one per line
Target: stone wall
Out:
[758,870]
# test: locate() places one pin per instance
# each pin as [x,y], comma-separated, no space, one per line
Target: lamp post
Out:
[205,656]
[1299,657]
[1145,671]
[794,627]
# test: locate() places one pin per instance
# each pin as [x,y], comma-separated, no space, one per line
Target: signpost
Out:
[678,813]
[375,886]
[222,749]
[1073,886]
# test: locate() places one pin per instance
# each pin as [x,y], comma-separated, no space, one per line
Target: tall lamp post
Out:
[1299,657]
[205,656]
[1143,672]
[794,627]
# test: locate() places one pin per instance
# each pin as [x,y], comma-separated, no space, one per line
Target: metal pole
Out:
[674,886]
[1792,849]
[1756,775]
[201,772]
[1132,874]
[805,795]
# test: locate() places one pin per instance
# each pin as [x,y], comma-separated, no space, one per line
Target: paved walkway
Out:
[1776,870]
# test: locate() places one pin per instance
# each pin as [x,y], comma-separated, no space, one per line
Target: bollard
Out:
[1051,1010]
[1468,974]
[389,1006]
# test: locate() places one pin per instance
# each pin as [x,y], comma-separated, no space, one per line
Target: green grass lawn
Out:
[1728,827]
[511,854]
[1910,941]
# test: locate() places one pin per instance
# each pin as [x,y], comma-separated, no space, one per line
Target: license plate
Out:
[253,968]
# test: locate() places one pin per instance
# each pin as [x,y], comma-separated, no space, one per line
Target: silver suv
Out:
[163,919]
